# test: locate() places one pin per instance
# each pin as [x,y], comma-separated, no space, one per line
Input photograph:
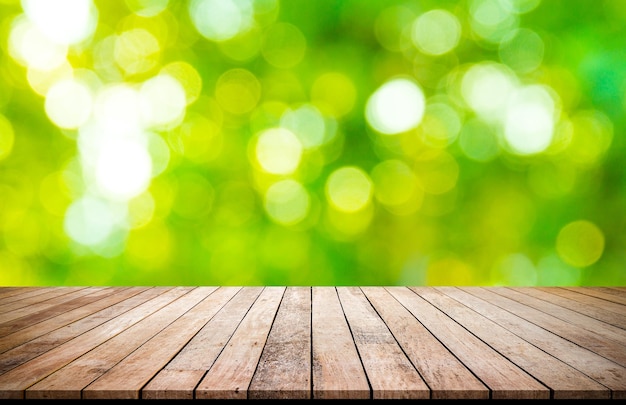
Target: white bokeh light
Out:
[219,20]
[159,152]
[278,151]
[32,48]
[68,103]
[491,20]
[136,51]
[89,220]
[64,22]
[307,123]
[529,121]
[396,106]
[123,169]
[436,32]
[116,110]
[162,101]
[486,88]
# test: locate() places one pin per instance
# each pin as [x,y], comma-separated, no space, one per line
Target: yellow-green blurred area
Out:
[312,142]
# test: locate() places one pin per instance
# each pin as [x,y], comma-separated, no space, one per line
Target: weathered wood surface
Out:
[276,342]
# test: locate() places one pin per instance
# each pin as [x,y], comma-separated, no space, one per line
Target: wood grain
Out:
[608,293]
[596,306]
[390,373]
[77,375]
[179,378]
[29,296]
[504,379]
[446,376]
[54,308]
[16,309]
[312,342]
[232,372]
[570,329]
[126,378]
[34,340]
[14,382]
[602,370]
[565,381]
[337,369]
[284,370]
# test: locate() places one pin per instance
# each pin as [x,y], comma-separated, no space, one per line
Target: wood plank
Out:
[73,378]
[621,291]
[313,342]
[14,382]
[24,349]
[126,378]
[613,335]
[39,312]
[598,344]
[615,293]
[232,371]
[565,381]
[504,379]
[37,339]
[337,369]
[605,301]
[602,370]
[446,376]
[8,289]
[29,295]
[284,370]
[6,292]
[182,374]
[390,373]
[602,310]
[27,305]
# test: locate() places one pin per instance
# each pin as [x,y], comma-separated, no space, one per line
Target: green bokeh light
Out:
[264,142]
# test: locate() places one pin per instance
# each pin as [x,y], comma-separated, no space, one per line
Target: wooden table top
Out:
[312,342]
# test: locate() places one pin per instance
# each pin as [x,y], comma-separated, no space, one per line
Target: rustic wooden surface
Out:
[277,342]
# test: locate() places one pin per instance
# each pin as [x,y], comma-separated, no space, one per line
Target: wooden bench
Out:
[312,342]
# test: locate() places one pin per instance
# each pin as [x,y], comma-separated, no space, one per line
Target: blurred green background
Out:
[312,142]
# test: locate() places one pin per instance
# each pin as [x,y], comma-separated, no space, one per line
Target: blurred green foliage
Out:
[299,142]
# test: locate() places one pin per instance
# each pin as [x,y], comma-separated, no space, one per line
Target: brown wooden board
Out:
[445,375]
[17,309]
[504,379]
[14,382]
[126,378]
[179,378]
[337,369]
[602,310]
[284,370]
[33,314]
[587,329]
[390,373]
[32,295]
[75,376]
[313,342]
[564,381]
[32,341]
[602,370]
[609,293]
[232,371]
[6,292]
